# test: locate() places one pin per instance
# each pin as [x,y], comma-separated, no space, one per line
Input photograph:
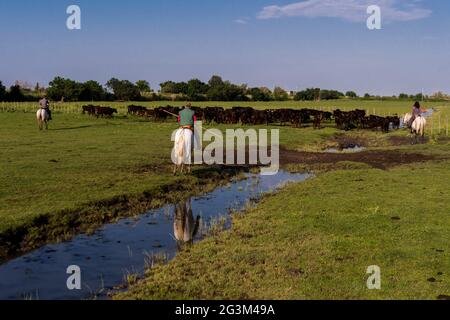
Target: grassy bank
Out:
[315,240]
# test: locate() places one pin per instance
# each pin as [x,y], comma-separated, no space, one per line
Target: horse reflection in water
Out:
[185,227]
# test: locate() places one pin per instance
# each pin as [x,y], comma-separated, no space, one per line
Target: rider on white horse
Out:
[45,104]
[185,135]
[416,112]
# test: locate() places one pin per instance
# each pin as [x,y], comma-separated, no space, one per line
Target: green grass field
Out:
[291,246]
[79,160]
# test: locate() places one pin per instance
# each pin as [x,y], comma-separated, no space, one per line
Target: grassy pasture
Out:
[291,246]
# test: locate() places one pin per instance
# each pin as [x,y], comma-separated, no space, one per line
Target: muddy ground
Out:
[382,159]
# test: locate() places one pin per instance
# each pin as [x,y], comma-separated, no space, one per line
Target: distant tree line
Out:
[16,93]
[216,89]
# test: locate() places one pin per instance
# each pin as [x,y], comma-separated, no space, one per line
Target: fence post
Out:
[447,125]
[439,123]
[432,126]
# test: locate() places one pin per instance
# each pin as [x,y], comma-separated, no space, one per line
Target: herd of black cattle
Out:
[249,116]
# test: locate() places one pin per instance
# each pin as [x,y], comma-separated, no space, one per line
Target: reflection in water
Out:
[185,227]
[348,149]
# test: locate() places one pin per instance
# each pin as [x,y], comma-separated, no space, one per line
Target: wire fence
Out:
[438,125]
[61,107]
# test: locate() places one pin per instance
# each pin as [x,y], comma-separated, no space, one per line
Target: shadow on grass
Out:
[75,128]
[85,126]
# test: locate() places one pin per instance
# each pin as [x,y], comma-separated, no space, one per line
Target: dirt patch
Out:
[344,142]
[403,140]
[375,159]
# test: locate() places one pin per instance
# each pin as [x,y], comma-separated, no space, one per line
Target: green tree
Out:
[259,94]
[196,88]
[233,92]
[124,90]
[168,87]
[143,86]
[92,91]
[330,95]
[310,94]
[2,92]
[15,94]
[279,94]
[215,81]
[226,92]
[181,88]
[351,94]
[418,97]
[64,89]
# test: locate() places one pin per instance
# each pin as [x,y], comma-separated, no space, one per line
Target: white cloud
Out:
[241,21]
[349,10]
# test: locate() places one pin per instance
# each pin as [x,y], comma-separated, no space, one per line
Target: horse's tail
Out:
[419,126]
[42,115]
[179,147]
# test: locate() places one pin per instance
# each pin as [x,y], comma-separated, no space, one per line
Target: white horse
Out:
[182,150]
[418,128]
[42,117]
[406,119]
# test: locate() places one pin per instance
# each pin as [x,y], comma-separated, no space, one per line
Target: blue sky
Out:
[294,44]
